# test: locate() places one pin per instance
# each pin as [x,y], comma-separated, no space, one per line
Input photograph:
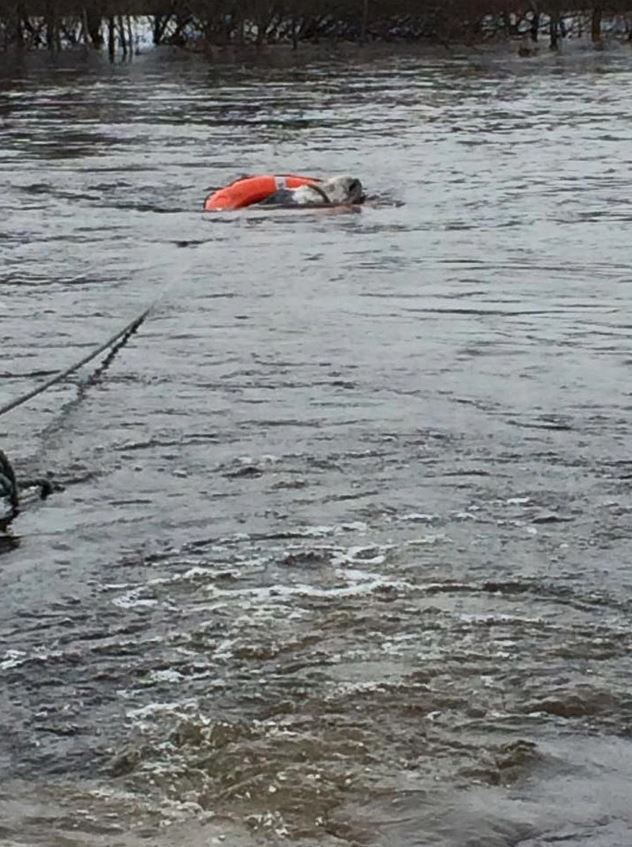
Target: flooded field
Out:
[343,551]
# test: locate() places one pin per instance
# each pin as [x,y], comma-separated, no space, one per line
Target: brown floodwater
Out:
[343,551]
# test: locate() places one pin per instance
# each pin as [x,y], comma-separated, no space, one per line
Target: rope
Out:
[124,335]
[320,191]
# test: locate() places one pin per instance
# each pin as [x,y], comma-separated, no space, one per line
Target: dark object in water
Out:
[337,191]
[290,191]
[9,499]
[41,487]
[252,189]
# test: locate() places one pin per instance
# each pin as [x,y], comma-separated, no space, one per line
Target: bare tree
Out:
[107,23]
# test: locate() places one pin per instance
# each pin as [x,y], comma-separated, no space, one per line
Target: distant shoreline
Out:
[277,30]
[283,55]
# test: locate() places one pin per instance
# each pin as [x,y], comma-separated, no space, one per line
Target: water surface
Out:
[343,551]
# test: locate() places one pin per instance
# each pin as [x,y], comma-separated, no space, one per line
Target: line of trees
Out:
[111,24]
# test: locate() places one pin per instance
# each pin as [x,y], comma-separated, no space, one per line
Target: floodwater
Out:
[343,551]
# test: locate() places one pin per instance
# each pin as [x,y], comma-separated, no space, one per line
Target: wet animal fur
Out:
[336,191]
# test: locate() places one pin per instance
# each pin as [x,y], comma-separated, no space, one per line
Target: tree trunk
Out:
[111,38]
[365,21]
[93,25]
[535,26]
[130,35]
[18,28]
[52,28]
[83,29]
[554,30]
[33,32]
[595,28]
[509,23]
[122,38]
[295,30]
[160,25]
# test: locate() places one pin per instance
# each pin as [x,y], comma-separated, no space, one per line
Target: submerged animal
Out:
[336,191]
[286,190]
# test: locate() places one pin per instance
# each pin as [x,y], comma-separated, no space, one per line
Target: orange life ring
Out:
[252,189]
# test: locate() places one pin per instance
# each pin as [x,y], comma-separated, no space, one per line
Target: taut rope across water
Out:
[122,336]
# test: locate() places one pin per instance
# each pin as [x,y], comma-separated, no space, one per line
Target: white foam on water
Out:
[12,659]
[192,574]
[418,517]
[426,539]
[131,600]
[168,675]
[182,709]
